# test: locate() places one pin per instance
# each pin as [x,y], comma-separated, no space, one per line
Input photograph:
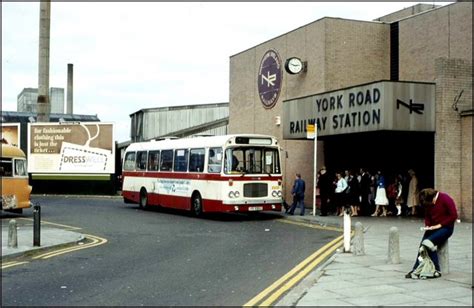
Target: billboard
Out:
[383,105]
[11,133]
[78,148]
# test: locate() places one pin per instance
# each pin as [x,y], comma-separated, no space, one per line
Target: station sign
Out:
[383,105]
[77,148]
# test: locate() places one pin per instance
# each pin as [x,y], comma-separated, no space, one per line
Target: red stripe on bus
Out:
[200,176]
[184,203]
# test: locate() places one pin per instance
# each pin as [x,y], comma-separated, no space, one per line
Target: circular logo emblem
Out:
[269,78]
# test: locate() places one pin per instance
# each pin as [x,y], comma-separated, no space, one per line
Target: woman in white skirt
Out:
[381,199]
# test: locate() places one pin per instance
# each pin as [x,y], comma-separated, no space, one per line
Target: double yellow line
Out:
[12,263]
[271,294]
[96,241]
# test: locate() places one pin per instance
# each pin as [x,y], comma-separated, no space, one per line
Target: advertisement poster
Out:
[11,133]
[71,148]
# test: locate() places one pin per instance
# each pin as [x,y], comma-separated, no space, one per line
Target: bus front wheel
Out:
[196,204]
[143,199]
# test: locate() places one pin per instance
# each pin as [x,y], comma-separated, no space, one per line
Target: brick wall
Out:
[444,32]
[453,138]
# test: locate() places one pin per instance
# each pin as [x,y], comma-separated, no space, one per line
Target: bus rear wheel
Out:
[143,199]
[196,205]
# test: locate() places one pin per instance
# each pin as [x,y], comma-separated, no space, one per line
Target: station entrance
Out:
[391,152]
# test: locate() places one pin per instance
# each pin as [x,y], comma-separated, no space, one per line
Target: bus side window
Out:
[20,167]
[153,160]
[141,160]
[215,160]
[129,163]
[166,163]
[181,160]
[196,160]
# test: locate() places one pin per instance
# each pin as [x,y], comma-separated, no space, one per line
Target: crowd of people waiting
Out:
[369,194]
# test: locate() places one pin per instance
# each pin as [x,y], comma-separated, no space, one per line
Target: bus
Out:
[230,173]
[14,176]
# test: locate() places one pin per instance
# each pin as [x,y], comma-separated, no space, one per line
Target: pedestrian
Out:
[399,200]
[381,200]
[354,193]
[298,195]
[440,216]
[364,191]
[340,193]
[412,198]
[373,189]
[392,194]
[324,185]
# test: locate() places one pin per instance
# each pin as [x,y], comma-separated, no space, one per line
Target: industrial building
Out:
[179,121]
[28,98]
[391,94]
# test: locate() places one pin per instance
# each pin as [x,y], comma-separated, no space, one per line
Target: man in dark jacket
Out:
[324,185]
[298,195]
[364,191]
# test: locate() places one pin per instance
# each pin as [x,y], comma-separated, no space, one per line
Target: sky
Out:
[130,56]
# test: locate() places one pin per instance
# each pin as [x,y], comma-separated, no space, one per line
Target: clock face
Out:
[294,66]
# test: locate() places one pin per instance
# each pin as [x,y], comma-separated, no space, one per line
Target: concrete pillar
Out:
[443,257]
[44,106]
[393,246]
[347,231]
[358,242]
[12,234]
[69,106]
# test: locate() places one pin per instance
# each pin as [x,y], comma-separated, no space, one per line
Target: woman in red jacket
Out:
[440,216]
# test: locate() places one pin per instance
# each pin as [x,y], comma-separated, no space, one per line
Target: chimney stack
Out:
[69,109]
[43,103]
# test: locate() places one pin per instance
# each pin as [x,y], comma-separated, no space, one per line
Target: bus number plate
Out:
[255,208]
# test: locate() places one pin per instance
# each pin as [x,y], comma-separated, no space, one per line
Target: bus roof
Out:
[11,151]
[196,142]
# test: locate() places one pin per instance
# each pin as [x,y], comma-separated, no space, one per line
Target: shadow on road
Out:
[251,216]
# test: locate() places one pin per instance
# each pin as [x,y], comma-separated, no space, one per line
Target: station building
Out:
[391,94]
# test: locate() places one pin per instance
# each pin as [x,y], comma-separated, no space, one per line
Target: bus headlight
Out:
[276,193]
[234,194]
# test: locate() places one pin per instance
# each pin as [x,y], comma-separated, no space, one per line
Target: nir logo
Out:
[269,78]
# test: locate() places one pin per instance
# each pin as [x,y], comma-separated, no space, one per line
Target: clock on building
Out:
[294,65]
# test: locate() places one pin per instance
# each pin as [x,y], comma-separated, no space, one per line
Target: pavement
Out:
[51,236]
[344,279]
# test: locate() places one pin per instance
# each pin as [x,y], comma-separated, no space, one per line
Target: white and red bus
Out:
[231,173]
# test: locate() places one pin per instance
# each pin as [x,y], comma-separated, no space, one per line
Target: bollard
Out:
[347,230]
[393,246]
[443,257]
[358,240]
[12,234]
[36,225]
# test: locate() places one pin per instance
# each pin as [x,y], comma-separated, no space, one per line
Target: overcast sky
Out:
[129,56]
